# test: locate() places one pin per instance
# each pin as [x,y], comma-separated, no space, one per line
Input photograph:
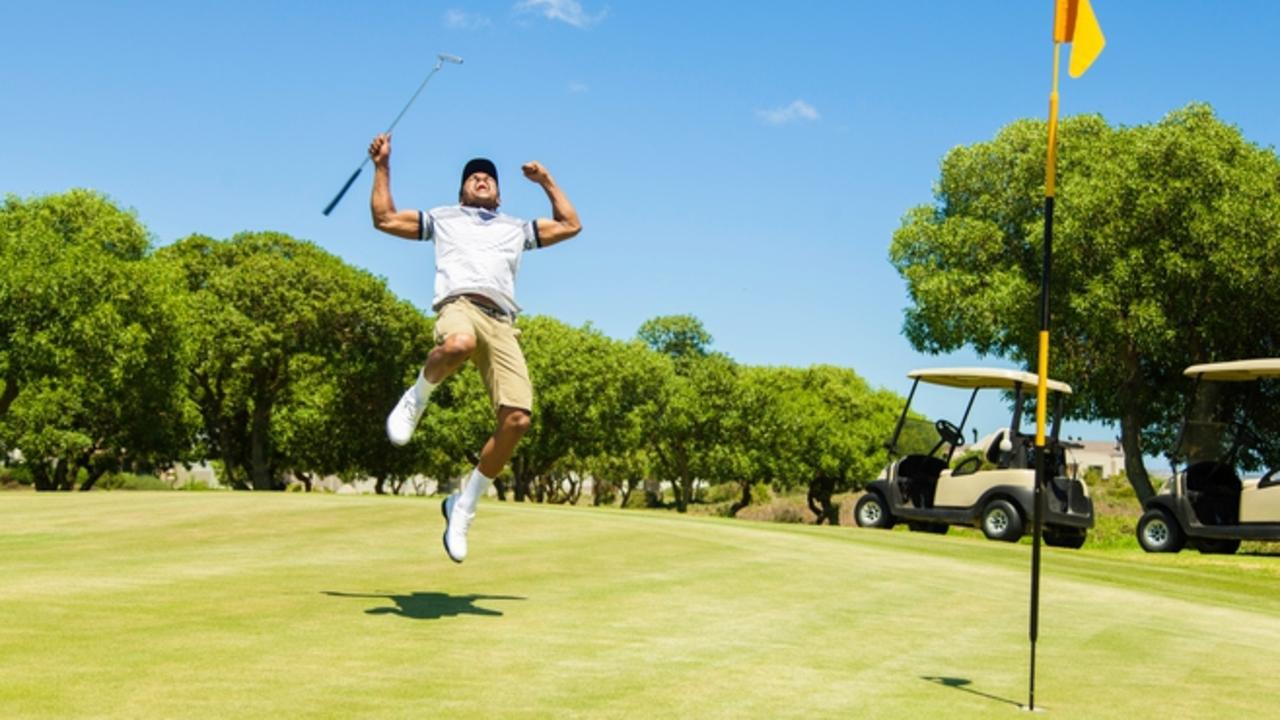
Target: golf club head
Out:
[449,58]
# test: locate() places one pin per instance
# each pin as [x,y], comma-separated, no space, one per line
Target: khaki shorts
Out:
[497,354]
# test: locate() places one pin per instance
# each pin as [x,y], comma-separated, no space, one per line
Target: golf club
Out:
[441,59]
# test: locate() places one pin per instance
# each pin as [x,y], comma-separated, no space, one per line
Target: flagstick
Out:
[1051,166]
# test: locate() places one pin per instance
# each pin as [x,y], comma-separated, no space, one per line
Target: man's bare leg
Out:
[448,356]
[460,509]
[513,423]
[442,361]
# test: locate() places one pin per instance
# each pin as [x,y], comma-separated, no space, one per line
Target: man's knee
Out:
[516,422]
[458,347]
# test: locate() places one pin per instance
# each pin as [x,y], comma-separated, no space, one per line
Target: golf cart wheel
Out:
[1065,538]
[1159,533]
[1216,546]
[1001,521]
[872,512]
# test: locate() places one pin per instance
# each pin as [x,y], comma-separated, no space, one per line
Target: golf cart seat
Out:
[1213,489]
[918,475]
[1016,457]
[993,451]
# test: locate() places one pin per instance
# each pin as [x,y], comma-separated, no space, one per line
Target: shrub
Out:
[129,481]
[637,499]
[761,493]
[16,475]
[723,492]
[605,492]
[784,510]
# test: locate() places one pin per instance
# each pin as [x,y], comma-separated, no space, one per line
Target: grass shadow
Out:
[962,683]
[428,605]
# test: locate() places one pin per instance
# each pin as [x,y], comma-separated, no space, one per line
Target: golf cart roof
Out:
[1236,370]
[984,378]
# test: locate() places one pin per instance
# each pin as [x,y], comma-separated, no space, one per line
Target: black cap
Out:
[475,165]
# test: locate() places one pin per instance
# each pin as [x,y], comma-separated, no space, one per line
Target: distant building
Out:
[1106,457]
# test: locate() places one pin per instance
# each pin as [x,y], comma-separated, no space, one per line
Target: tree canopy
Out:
[279,361]
[1164,237]
[291,345]
[92,354]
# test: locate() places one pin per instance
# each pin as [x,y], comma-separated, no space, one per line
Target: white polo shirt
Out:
[477,251]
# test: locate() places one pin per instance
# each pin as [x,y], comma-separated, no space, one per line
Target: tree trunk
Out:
[820,489]
[684,484]
[41,478]
[259,438]
[652,493]
[500,487]
[624,492]
[305,478]
[1131,423]
[60,481]
[378,488]
[8,396]
[94,475]
[1134,468]
[743,501]
[523,483]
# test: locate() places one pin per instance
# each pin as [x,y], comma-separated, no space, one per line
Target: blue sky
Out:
[743,162]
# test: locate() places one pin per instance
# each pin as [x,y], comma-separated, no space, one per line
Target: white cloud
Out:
[795,112]
[577,88]
[455,18]
[568,11]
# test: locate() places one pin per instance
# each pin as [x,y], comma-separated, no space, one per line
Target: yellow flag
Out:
[1075,23]
[1085,36]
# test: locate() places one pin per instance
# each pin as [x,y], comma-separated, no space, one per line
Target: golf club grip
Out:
[343,191]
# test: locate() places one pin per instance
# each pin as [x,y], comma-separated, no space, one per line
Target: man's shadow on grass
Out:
[961,683]
[428,605]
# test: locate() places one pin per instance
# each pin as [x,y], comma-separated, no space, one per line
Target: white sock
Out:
[423,387]
[475,488]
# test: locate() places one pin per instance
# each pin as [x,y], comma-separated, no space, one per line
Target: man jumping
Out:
[478,253]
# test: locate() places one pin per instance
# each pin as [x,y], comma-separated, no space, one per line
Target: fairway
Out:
[136,605]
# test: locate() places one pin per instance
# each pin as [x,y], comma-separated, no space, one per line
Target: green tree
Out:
[679,336]
[831,432]
[623,460]
[291,345]
[92,357]
[332,420]
[751,429]
[689,425]
[1164,245]
[585,387]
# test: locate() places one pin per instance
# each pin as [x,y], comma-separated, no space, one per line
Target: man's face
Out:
[480,190]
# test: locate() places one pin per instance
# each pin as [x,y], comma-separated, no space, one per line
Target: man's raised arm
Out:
[403,223]
[564,223]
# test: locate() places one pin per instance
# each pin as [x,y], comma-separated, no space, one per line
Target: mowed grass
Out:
[137,605]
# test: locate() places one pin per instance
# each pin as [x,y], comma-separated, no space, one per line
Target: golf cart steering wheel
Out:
[949,432]
[1269,479]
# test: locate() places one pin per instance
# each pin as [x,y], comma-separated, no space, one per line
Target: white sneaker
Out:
[456,524]
[404,418]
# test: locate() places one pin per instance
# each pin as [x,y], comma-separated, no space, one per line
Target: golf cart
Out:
[1208,503]
[993,489]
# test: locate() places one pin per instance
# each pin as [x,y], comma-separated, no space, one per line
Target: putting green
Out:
[136,605]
